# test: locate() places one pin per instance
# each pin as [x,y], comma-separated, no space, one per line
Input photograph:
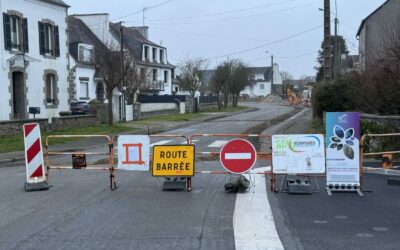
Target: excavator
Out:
[293,99]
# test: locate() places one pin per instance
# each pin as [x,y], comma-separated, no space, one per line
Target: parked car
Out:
[79,108]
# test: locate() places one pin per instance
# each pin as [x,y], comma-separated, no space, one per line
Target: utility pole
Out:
[272,77]
[327,41]
[122,97]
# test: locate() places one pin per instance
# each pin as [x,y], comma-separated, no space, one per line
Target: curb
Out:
[382,171]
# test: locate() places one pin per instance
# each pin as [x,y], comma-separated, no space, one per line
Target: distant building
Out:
[34,70]
[372,31]
[86,84]
[349,63]
[260,84]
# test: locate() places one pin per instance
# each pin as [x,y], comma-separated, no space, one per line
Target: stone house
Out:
[34,58]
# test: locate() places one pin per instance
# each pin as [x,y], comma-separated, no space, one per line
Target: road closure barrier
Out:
[376,144]
[79,157]
[35,169]
[238,153]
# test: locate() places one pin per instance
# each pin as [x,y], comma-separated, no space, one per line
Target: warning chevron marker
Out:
[35,172]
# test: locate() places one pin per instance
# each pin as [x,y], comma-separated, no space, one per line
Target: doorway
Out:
[18,95]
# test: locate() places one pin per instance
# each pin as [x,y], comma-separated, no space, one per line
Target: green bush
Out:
[338,96]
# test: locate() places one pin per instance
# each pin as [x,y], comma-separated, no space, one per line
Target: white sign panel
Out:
[134,152]
[298,154]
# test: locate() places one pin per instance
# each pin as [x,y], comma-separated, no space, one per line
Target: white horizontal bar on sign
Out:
[238,156]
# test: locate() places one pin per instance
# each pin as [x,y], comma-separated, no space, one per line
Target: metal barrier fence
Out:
[79,157]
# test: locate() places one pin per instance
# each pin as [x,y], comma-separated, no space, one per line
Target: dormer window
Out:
[161,56]
[15,33]
[85,53]
[252,77]
[154,54]
[49,41]
[146,52]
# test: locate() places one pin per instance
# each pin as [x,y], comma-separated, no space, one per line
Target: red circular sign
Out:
[238,156]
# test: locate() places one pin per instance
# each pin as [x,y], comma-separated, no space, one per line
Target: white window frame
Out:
[85,84]
[49,39]
[15,32]
[50,89]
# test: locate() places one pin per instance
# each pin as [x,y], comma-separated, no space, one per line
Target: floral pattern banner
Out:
[342,148]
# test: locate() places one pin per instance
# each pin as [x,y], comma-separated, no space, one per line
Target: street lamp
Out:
[272,71]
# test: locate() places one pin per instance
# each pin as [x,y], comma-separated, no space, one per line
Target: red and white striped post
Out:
[35,169]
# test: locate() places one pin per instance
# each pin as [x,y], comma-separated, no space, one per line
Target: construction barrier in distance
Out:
[35,169]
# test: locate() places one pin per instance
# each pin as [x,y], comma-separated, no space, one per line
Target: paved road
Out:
[80,212]
[340,221]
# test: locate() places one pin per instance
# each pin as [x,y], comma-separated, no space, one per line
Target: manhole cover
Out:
[320,222]
[364,235]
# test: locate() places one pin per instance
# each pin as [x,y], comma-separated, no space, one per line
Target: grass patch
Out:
[316,126]
[16,142]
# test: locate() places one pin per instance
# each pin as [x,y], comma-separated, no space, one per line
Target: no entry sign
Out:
[238,156]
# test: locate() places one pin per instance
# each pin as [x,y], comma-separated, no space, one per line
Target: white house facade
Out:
[261,81]
[34,58]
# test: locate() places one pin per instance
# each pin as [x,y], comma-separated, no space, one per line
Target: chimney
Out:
[144,30]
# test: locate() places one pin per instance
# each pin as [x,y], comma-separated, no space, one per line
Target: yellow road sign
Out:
[170,160]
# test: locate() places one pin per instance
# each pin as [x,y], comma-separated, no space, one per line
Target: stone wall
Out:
[189,104]
[15,126]
[75,121]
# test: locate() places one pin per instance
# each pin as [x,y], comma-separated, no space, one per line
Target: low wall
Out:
[15,126]
[76,121]
[160,112]
[150,107]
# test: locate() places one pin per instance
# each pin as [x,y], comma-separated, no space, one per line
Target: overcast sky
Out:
[289,29]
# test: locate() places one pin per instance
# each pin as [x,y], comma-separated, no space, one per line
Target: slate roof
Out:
[57,2]
[80,33]
[365,19]
[262,70]
[132,38]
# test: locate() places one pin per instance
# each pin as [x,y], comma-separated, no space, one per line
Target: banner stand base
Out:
[39,186]
[329,191]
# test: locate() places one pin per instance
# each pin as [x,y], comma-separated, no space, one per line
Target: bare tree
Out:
[218,81]
[190,73]
[114,68]
[239,80]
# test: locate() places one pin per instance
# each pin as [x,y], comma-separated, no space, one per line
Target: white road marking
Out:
[238,156]
[217,144]
[160,143]
[253,224]
[184,142]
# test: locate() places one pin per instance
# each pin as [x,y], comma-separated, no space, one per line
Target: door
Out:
[18,95]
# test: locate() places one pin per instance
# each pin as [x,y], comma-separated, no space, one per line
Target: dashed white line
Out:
[217,144]
[160,143]
[253,224]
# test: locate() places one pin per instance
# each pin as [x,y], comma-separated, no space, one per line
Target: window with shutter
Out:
[25,34]
[56,42]
[7,31]
[42,48]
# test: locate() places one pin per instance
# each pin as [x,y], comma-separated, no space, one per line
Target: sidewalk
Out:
[152,127]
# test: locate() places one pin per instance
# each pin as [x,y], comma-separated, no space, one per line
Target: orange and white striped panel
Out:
[35,170]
